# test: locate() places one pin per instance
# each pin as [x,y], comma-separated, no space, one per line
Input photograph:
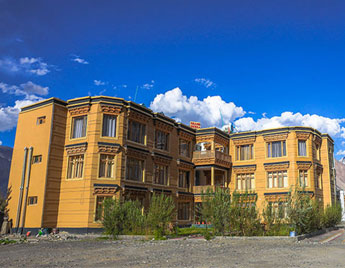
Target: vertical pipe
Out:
[21,189]
[26,189]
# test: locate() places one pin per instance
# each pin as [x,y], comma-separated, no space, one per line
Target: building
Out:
[69,156]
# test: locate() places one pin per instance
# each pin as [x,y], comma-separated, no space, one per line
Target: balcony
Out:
[211,157]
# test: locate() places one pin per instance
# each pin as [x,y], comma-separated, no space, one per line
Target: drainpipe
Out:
[21,189]
[26,190]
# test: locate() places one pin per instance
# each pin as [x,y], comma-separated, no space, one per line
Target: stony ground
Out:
[220,252]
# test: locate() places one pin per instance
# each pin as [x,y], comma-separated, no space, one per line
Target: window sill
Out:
[74,179]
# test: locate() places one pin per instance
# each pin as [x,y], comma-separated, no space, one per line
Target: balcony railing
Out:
[202,188]
[211,155]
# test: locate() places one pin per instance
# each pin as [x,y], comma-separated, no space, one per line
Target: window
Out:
[183,211]
[279,209]
[303,178]
[183,180]
[277,179]
[302,148]
[134,169]
[245,182]
[41,120]
[244,152]
[184,148]
[75,166]
[318,179]
[161,174]
[109,125]
[99,207]
[317,151]
[36,159]
[136,132]
[276,149]
[106,166]
[79,126]
[32,200]
[161,140]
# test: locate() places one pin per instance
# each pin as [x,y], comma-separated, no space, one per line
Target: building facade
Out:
[69,156]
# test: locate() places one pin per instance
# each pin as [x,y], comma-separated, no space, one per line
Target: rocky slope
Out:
[5,164]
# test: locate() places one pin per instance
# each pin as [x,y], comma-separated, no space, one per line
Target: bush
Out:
[332,216]
[216,209]
[244,217]
[304,214]
[122,217]
[160,214]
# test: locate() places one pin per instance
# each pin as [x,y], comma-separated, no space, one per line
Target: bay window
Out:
[79,126]
[161,174]
[277,179]
[106,166]
[161,140]
[75,166]
[245,182]
[136,132]
[109,125]
[134,169]
[244,152]
[302,148]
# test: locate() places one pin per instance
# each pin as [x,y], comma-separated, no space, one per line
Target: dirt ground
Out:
[220,252]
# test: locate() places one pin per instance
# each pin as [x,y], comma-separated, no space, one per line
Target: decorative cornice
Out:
[302,135]
[184,164]
[112,148]
[244,141]
[137,153]
[304,165]
[186,136]
[105,189]
[276,137]
[163,126]
[138,116]
[244,169]
[79,148]
[79,110]
[161,159]
[111,109]
[276,166]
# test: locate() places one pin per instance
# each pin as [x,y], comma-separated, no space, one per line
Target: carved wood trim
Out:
[303,166]
[276,137]
[161,160]
[238,170]
[79,149]
[276,167]
[276,198]
[186,136]
[302,135]
[137,154]
[100,190]
[244,141]
[79,110]
[112,149]
[111,109]
[163,126]
[138,117]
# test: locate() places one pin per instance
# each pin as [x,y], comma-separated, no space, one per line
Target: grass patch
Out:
[7,241]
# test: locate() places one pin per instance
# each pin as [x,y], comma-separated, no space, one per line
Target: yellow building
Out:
[69,156]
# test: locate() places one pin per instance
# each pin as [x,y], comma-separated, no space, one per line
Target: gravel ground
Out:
[220,252]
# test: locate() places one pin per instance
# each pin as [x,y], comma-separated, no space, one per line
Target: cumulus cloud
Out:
[148,85]
[79,60]
[0,142]
[205,82]
[28,89]
[9,114]
[210,111]
[321,123]
[98,82]
[26,64]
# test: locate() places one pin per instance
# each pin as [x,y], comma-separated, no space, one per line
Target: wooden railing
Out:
[211,154]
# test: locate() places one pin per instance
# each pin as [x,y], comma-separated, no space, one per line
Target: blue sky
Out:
[258,63]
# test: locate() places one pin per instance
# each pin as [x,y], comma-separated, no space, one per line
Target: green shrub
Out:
[331,216]
[304,214]
[216,209]
[122,217]
[244,217]
[160,214]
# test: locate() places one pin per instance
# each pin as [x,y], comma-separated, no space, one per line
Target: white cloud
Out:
[9,114]
[0,142]
[79,60]
[99,82]
[26,89]
[148,85]
[29,65]
[343,143]
[210,111]
[341,152]
[205,82]
[321,123]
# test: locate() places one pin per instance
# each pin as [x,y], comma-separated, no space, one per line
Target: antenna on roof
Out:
[136,93]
